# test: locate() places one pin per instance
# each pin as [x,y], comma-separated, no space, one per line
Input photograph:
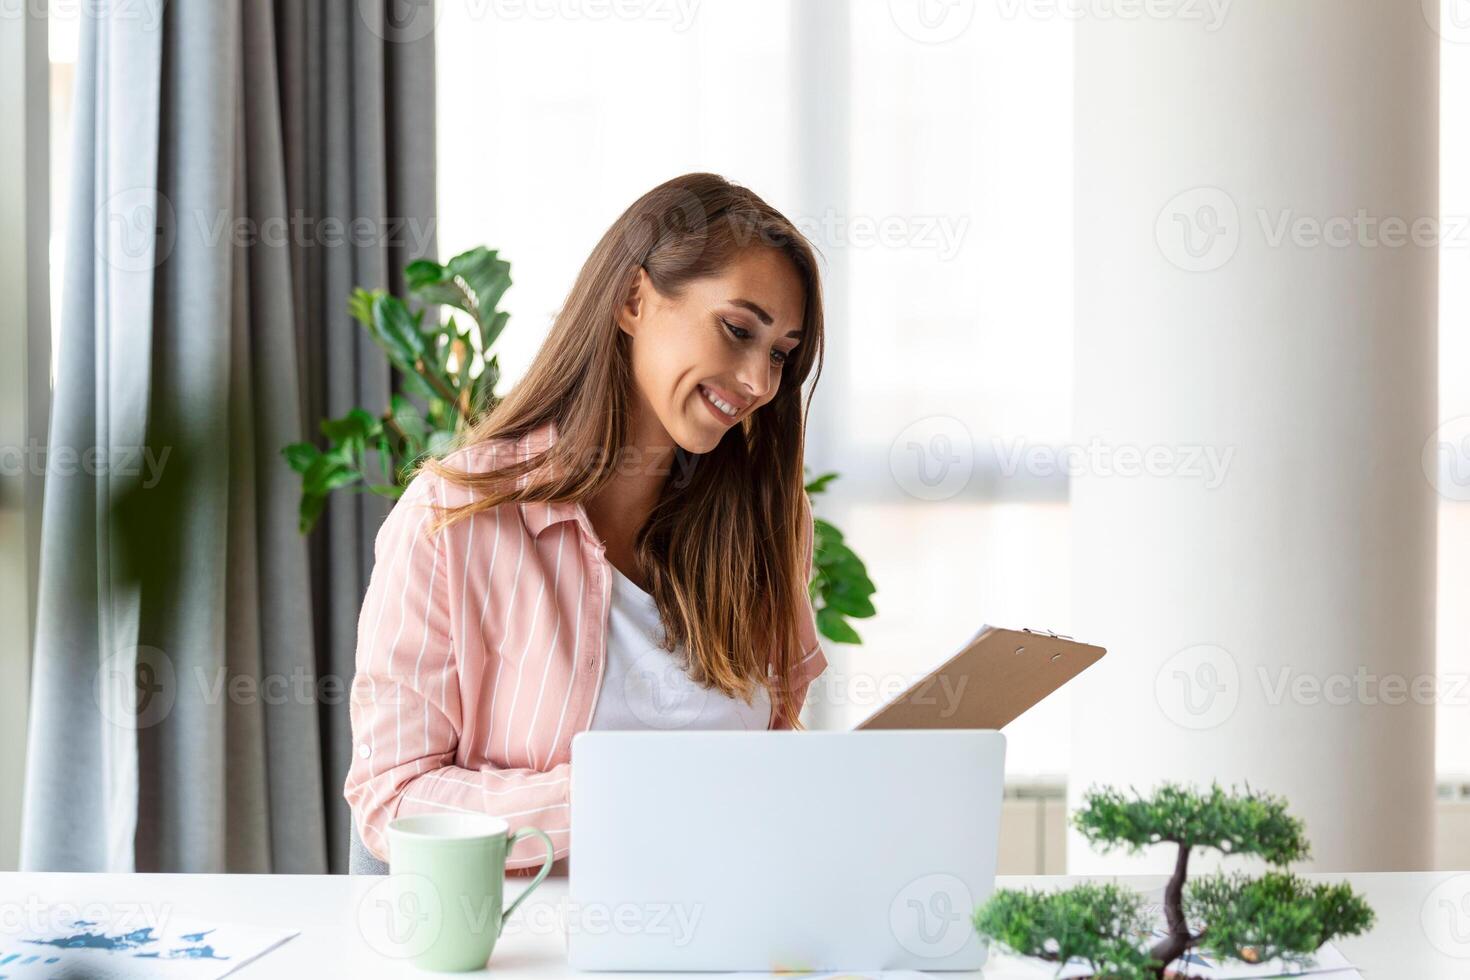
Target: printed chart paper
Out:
[127,947]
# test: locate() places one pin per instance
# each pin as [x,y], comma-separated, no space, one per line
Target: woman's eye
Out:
[740,333]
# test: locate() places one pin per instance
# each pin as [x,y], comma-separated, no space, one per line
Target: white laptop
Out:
[782,850]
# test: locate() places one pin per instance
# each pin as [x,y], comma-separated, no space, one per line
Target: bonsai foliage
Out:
[446,378]
[1226,916]
[1102,925]
[1276,915]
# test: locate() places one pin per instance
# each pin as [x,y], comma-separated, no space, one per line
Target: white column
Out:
[1255,330]
[821,39]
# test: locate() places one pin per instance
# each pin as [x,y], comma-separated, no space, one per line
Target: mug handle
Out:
[510,842]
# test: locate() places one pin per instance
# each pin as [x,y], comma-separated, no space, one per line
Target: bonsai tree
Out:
[447,377]
[1225,916]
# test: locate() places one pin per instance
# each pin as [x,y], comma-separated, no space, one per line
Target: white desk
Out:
[324,908]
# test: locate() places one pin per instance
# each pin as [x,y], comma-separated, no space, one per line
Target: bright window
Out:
[1453,734]
[956,237]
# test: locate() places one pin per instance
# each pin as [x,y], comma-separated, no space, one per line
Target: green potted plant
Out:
[449,368]
[1238,917]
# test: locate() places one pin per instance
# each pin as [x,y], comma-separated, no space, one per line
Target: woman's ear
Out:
[631,308]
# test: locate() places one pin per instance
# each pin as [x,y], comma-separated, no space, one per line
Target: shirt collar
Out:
[541,514]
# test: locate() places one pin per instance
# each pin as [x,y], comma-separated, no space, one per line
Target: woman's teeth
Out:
[723,406]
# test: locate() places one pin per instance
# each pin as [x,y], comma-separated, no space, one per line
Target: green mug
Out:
[447,875]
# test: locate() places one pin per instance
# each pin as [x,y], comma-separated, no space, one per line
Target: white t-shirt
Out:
[646,687]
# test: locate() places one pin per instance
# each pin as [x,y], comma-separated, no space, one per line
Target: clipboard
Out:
[998,676]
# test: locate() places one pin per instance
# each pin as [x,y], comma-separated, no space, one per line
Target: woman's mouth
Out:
[723,410]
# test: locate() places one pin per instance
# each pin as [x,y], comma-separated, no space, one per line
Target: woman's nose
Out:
[754,376]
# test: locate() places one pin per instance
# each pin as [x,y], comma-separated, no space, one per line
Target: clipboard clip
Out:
[1054,636]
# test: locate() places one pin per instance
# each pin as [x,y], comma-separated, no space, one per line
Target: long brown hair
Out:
[724,551]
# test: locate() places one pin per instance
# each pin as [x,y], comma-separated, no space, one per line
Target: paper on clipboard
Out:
[995,678]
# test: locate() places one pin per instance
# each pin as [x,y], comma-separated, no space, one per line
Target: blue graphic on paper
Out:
[122,942]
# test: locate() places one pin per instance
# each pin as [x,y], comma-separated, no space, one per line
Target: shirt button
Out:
[363,751]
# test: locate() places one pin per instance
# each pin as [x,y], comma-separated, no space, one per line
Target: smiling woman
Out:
[633,512]
[709,336]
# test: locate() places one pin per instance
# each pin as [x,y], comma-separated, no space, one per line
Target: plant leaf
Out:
[819,484]
[422,272]
[849,604]
[487,277]
[329,471]
[360,305]
[490,332]
[397,332]
[405,415]
[825,532]
[299,455]
[482,395]
[835,627]
[390,490]
[356,428]
[473,281]
[309,510]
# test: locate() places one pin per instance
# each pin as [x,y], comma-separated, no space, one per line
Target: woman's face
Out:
[706,359]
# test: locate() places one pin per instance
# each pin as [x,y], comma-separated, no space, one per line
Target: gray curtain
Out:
[237,168]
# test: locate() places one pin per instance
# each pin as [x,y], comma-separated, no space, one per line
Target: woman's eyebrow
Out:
[747,304]
[765,317]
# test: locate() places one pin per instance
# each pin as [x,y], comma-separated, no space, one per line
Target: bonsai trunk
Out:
[1172,946]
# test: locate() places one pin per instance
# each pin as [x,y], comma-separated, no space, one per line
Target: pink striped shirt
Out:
[480,654]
